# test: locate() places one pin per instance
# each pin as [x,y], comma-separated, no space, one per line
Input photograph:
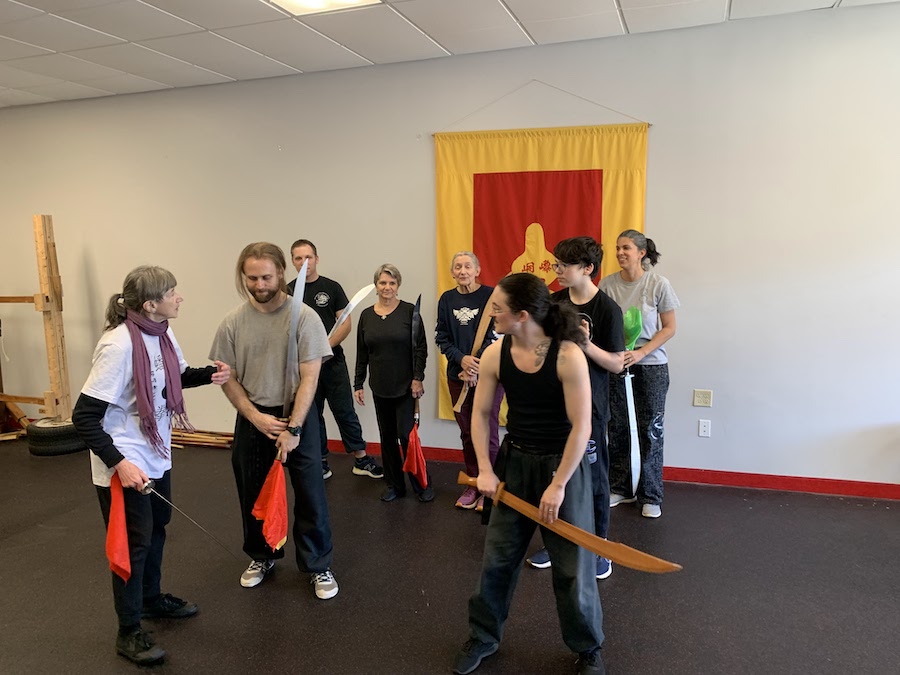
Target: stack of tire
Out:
[49,437]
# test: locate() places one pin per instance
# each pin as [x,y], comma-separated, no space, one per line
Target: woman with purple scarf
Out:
[125,414]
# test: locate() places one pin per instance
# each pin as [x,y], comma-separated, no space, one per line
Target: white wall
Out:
[771,194]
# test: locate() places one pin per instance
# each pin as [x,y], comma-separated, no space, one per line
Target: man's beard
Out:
[262,297]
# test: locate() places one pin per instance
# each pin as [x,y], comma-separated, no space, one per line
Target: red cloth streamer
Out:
[117,533]
[271,507]
[415,458]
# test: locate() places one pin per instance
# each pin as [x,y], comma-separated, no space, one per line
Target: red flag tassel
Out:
[271,507]
[117,533]
[415,458]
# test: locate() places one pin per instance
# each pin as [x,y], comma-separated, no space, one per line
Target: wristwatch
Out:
[295,431]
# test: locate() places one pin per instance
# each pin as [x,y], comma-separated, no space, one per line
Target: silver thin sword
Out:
[149,488]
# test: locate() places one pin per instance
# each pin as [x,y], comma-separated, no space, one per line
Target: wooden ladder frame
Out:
[57,402]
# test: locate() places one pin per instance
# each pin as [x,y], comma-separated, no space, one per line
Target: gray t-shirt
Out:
[255,345]
[653,295]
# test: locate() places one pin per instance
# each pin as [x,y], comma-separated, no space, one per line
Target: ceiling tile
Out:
[67,91]
[859,3]
[377,33]
[294,44]
[125,84]
[147,63]
[19,97]
[65,5]
[13,49]
[55,33]
[568,29]
[745,9]
[645,19]
[13,11]
[541,10]
[62,67]
[214,14]
[131,20]
[220,55]
[465,26]
[15,78]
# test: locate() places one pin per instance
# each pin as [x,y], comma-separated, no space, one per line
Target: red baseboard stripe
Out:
[824,486]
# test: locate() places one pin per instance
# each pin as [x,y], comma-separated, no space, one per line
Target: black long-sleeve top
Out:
[89,412]
[384,347]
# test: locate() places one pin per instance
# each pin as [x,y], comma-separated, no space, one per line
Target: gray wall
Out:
[773,163]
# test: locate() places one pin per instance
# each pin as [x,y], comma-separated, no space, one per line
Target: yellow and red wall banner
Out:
[510,196]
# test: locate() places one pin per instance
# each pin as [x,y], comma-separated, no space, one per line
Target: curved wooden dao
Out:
[618,553]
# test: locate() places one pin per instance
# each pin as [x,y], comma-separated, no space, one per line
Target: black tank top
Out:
[537,406]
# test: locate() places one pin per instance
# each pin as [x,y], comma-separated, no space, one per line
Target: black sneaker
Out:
[472,654]
[169,607]
[366,466]
[326,470]
[426,495]
[590,663]
[138,647]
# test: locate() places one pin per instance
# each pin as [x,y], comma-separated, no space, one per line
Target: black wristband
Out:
[295,431]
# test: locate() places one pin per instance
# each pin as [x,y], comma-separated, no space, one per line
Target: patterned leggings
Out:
[650,384]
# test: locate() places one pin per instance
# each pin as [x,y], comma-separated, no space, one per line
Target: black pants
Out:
[146,517]
[527,475]
[334,387]
[598,457]
[395,422]
[251,458]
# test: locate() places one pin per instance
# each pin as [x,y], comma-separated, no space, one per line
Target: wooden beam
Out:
[23,299]
[10,398]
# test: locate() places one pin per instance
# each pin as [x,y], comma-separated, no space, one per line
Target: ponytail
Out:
[562,323]
[645,244]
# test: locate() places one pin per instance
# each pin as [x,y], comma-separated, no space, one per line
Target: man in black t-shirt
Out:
[577,266]
[328,299]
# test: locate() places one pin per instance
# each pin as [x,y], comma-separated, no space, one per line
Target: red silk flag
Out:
[415,458]
[116,531]
[510,196]
[271,507]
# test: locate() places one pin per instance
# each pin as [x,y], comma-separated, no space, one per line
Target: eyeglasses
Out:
[561,266]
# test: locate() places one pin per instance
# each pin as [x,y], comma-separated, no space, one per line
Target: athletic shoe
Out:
[479,507]
[257,571]
[472,654]
[367,466]
[604,567]
[138,647]
[325,583]
[326,470]
[468,499]
[590,663]
[615,499]
[426,495]
[540,559]
[651,511]
[169,607]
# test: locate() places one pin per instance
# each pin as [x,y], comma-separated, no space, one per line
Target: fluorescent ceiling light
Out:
[301,7]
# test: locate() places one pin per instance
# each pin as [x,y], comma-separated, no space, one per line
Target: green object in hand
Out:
[633,325]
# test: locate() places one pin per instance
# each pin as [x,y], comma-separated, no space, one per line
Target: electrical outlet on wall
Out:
[704,428]
[703,398]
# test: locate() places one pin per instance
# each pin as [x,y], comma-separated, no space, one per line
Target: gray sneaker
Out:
[472,654]
[325,583]
[257,571]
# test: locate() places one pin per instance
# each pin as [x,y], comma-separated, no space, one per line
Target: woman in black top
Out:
[396,362]
[542,460]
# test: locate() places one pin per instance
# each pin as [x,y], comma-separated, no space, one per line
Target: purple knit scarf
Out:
[143,384]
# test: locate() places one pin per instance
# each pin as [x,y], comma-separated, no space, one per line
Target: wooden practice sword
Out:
[618,553]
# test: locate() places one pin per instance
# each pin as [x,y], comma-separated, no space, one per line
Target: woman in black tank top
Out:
[545,374]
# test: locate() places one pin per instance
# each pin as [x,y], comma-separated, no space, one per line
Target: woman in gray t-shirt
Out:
[636,286]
